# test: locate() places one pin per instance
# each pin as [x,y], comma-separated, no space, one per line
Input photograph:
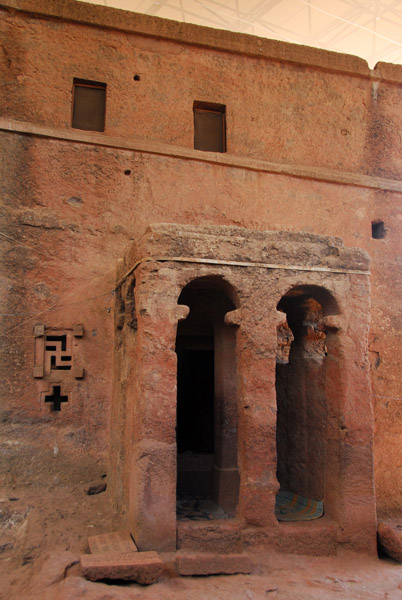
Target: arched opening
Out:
[302,409]
[207,471]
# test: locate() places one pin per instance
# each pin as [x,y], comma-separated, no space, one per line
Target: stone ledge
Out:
[225,160]
[219,537]
[212,564]
[256,248]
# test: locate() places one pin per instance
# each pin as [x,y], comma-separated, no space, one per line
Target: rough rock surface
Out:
[390,539]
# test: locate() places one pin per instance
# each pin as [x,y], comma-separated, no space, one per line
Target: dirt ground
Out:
[43,535]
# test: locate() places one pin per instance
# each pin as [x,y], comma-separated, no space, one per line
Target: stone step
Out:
[203,563]
[117,541]
[142,567]
[217,537]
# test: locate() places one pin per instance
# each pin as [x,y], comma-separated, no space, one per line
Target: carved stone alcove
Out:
[241,369]
[58,364]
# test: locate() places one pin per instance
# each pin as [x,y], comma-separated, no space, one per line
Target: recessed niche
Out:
[56,398]
[378,230]
[89,102]
[209,127]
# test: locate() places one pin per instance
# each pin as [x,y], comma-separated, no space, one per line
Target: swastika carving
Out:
[58,355]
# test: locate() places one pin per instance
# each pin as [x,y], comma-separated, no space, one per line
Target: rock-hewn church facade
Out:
[202,275]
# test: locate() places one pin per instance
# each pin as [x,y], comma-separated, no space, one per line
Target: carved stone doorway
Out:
[207,411]
[223,291]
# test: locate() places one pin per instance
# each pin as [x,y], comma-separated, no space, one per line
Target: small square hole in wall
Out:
[209,127]
[89,102]
[378,230]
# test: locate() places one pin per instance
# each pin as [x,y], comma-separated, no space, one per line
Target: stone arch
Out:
[303,402]
[207,469]
[143,445]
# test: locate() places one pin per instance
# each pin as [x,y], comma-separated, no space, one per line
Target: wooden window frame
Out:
[87,84]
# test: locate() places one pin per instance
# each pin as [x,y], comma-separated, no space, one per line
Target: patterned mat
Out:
[292,507]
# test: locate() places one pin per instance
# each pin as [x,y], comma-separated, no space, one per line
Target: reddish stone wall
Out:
[293,105]
[145,433]
[328,122]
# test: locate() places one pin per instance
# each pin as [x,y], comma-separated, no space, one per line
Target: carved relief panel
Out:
[58,362]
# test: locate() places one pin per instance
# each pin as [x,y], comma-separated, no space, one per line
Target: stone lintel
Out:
[236,244]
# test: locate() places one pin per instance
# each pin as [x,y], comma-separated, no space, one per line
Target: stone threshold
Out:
[115,556]
[228,160]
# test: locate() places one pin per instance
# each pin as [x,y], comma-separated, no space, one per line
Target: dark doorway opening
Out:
[302,411]
[195,418]
[207,472]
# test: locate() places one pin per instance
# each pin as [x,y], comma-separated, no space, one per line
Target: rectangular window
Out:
[209,127]
[89,102]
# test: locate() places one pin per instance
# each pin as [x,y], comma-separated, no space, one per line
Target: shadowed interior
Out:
[301,395]
[205,349]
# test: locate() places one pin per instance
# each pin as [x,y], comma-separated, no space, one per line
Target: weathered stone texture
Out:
[390,539]
[315,267]
[294,103]
[119,541]
[75,211]
[212,564]
[143,567]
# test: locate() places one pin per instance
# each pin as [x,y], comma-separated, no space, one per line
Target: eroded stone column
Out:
[257,426]
[350,479]
[152,493]
[226,472]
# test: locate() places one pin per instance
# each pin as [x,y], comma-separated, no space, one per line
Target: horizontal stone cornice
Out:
[222,159]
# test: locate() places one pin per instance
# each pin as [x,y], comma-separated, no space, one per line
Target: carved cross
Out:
[56,398]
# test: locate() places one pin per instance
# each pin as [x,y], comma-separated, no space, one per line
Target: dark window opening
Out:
[89,101]
[378,230]
[209,127]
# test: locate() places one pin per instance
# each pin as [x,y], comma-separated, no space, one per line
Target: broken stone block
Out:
[118,541]
[212,564]
[390,538]
[142,567]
